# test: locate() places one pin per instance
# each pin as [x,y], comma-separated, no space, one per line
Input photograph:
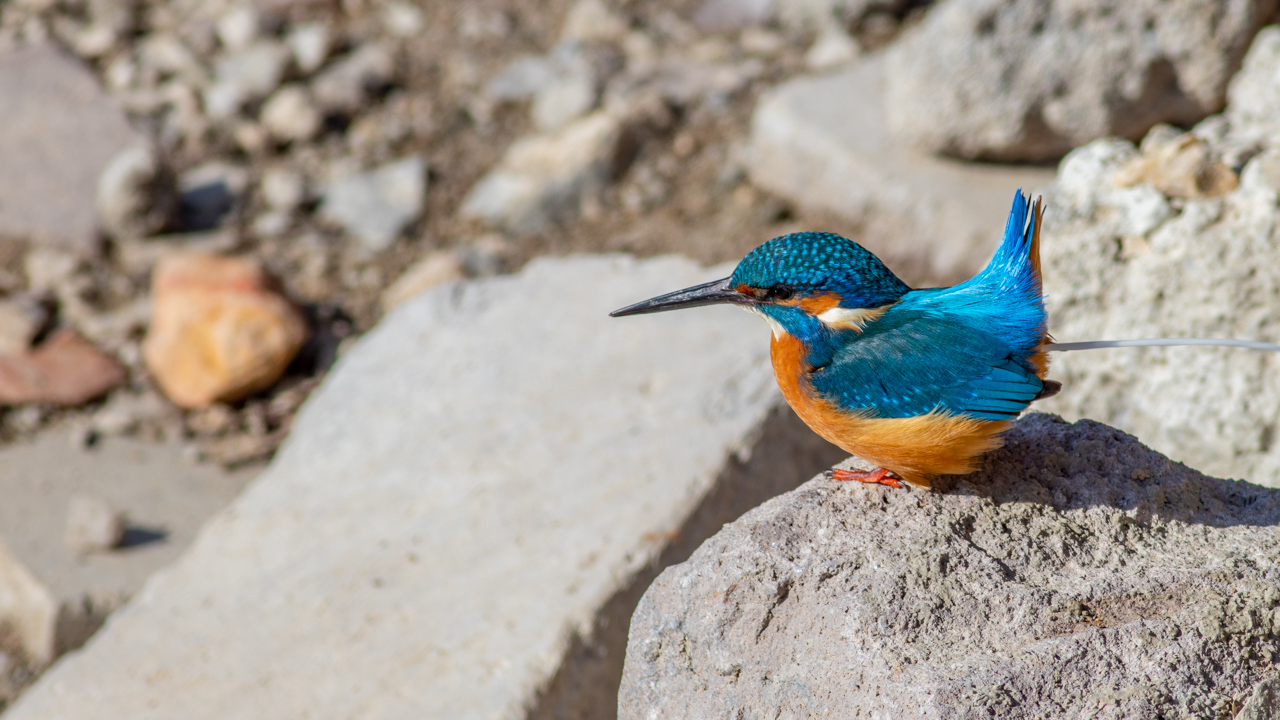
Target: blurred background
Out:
[205,203]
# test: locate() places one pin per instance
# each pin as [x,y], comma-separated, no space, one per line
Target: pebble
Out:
[221,329]
[21,319]
[521,79]
[376,206]
[137,194]
[592,21]
[210,192]
[732,15]
[64,370]
[309,43]
[283,188]
[93,525]
[48,268]
[832,49]
[344,85]
[238,27]
[124,412]
[290,114]
[244,76]
[402,19]
[431,271]
[570,96]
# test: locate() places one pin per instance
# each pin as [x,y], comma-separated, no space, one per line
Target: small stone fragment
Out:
[1181,167]
[377,205]
[21,319]
[542,179]
[64,370]
[210,193]
[832,49]
[220,329]
[592,21]
[343,87]
[282,188]
[309,43]
[244,76]
[402,19]
[290,114]
[137,194]
[239,26]
[93,525]
[435,269]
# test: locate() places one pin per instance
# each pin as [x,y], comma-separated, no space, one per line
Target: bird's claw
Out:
[879,476]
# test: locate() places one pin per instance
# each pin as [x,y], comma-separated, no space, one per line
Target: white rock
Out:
[592,21]
[523,78]
[376,206]
[454,513]
[21,318]
[283,188]
[239,26]
[245,76]
[542,179]
[822,143]
[137,194]
[27,608]
[310,43]
[344,85]
[569,97]
[402,19]
[290,114]
[832,49]
[1253,97]
[92,524]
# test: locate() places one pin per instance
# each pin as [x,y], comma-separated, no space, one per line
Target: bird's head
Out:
[802,283]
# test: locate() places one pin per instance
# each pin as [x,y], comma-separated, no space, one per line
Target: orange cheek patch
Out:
[814,304]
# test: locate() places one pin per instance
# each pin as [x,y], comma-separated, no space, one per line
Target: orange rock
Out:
[221,329]
[66,369]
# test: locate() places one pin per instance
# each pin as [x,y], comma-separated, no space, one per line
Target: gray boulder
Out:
[1079,574]
[1029,80]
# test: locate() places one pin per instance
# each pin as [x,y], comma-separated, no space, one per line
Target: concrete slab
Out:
[465,515]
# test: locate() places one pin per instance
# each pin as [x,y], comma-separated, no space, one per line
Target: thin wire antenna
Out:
[1159,342]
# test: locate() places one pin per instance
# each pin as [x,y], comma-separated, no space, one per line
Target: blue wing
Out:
[909,363]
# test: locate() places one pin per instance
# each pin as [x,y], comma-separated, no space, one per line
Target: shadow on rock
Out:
[1067,466]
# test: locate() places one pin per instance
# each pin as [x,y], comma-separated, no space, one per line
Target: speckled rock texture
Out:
[1079,574]
[1029,80]
[1170,256]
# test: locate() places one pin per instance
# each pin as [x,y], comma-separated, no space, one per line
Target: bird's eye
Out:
[781,292]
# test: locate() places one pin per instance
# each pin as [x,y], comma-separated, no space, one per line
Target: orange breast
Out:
[914,448]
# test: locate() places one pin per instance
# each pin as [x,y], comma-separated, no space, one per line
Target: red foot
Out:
[879,476]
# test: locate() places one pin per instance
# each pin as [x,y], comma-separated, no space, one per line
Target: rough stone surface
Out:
[66,369]
[543,178]
[377,206]
[822,142]
[1253,98]
[1132,262]
[416,548]
[1068,72]
[1079,574]
[435,269]
[220,329]
[28,612]
[59,132]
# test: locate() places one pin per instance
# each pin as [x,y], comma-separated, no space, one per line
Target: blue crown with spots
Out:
[810,263]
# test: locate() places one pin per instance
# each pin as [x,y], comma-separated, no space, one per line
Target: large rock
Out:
[1079,574]
[1030,80]
[465,514]
[822,142]
[1134,262]
[59,133]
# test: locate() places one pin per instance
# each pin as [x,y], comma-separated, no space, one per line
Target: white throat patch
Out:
[839,318]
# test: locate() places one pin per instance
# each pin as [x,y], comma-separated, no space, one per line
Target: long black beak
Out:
[712,293]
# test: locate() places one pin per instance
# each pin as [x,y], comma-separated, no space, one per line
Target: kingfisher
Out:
[920,382]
